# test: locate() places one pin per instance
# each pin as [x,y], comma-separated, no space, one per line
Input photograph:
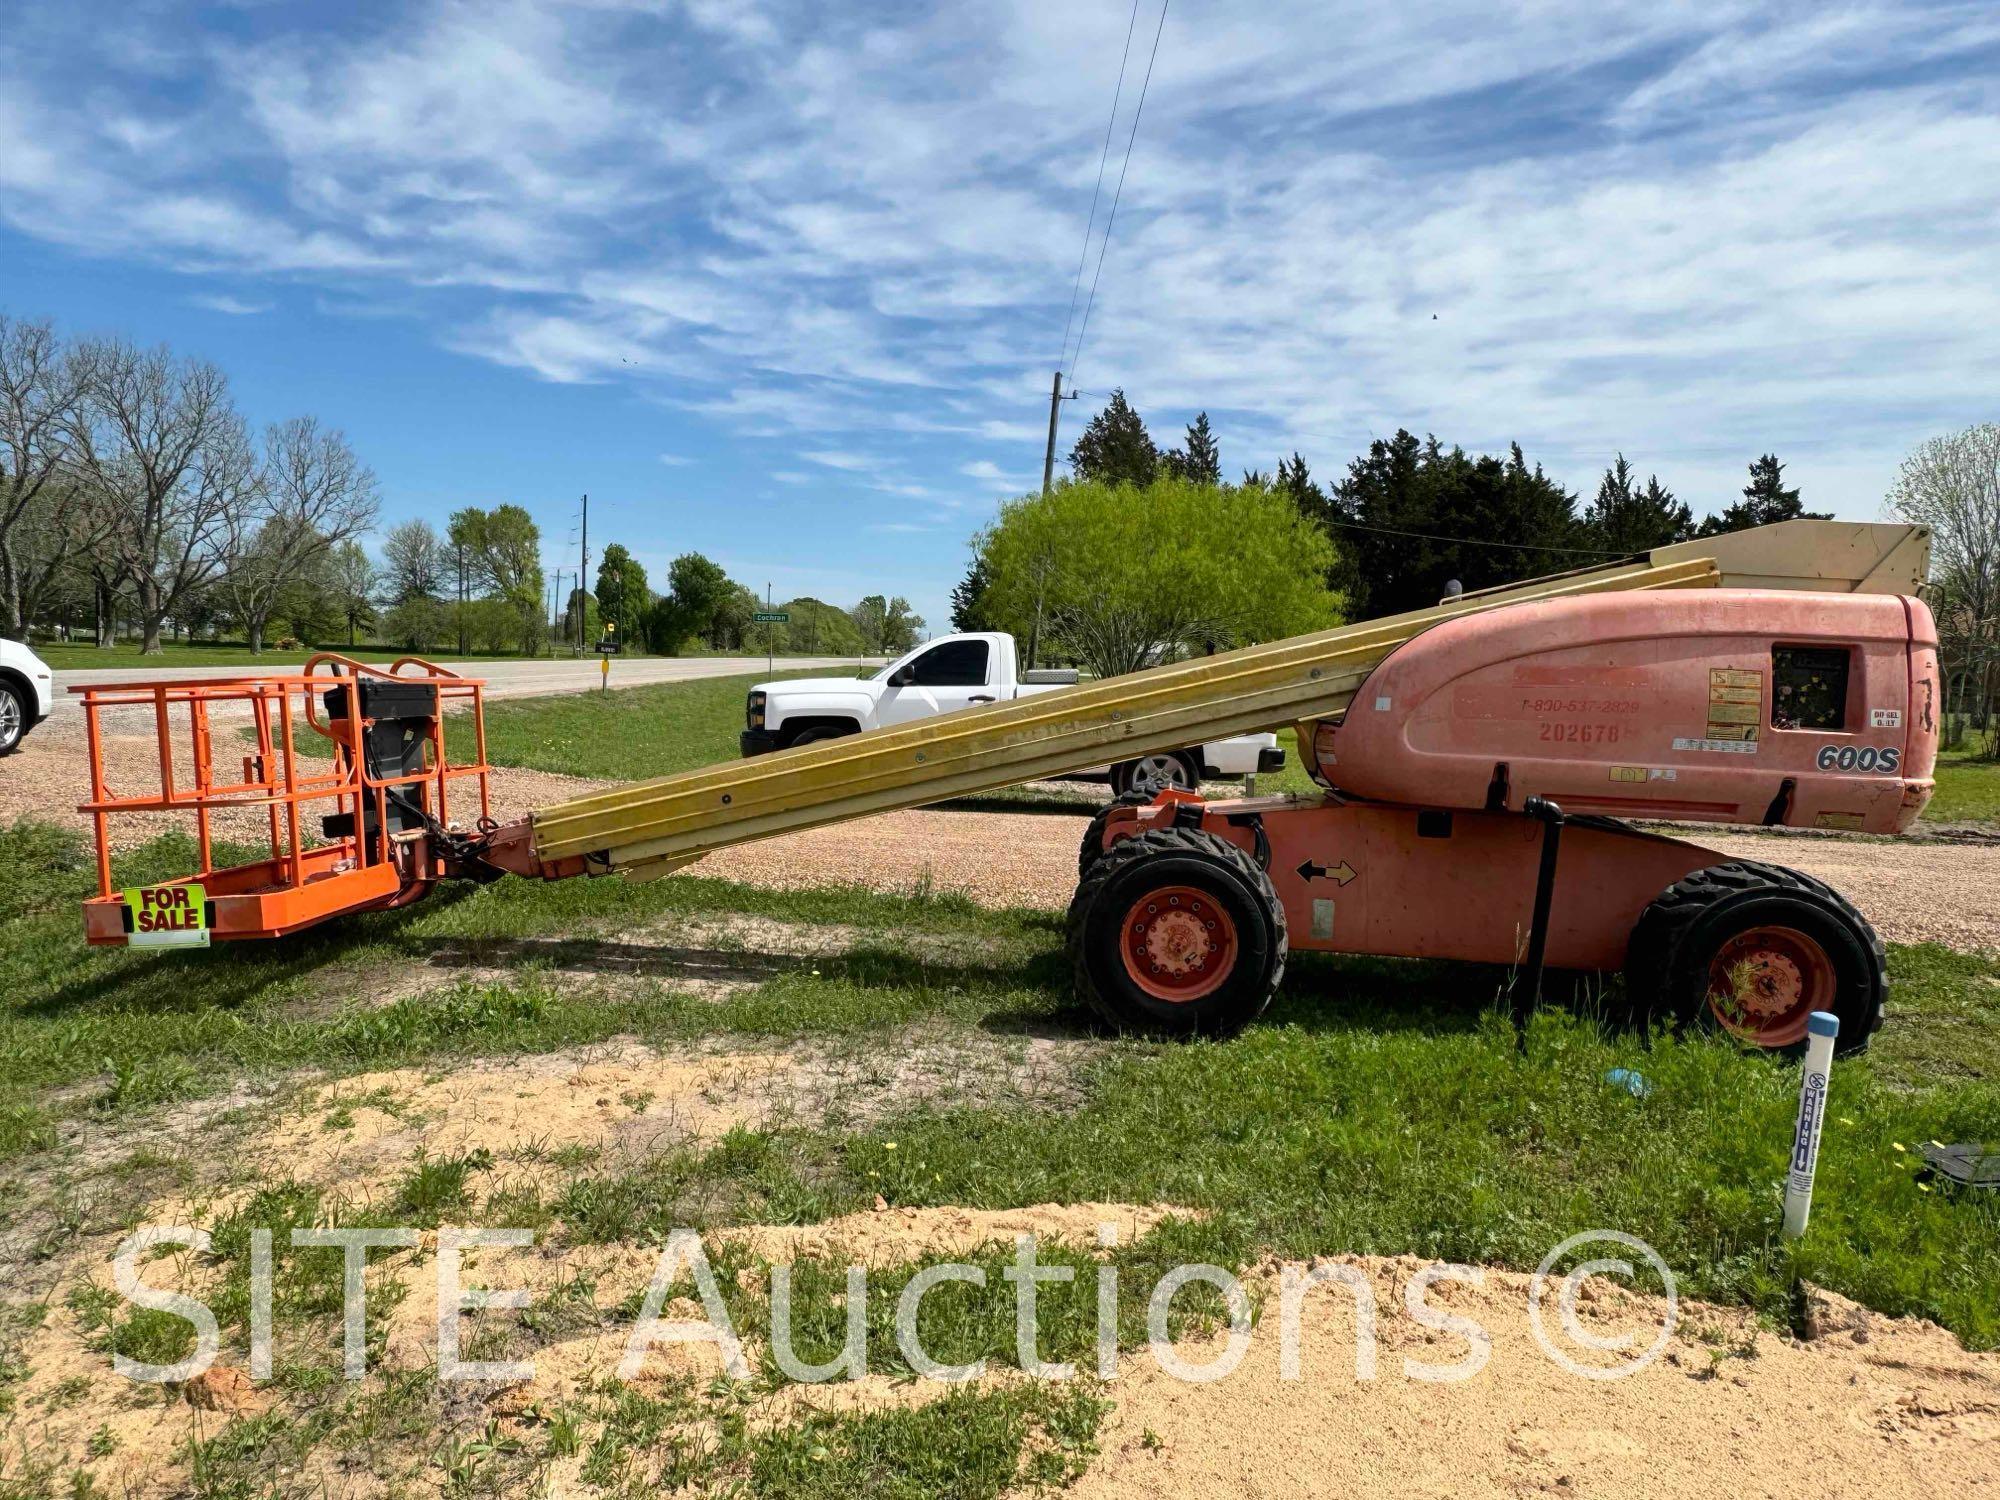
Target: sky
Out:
[785,283]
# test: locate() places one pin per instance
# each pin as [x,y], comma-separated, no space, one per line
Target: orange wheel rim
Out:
[1178,943]
[1764,983]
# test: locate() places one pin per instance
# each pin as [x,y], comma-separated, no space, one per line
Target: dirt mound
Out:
[1728,1409]
[1875,1407]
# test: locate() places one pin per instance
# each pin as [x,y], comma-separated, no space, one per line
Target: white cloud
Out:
[1692,228]
[675,460]
[852,463]
[235,307]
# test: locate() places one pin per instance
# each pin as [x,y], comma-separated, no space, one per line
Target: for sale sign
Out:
[168,916]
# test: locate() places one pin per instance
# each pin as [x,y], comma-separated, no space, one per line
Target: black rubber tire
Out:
[1179,856]
[1123,772]
[817,733]
[10,740]
[1678,936]
[1092,847]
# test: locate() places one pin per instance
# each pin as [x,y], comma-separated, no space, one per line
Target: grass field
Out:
[632,733]
[1381,1107]
[1968,789]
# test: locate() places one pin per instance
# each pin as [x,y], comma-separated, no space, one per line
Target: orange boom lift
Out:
[1477,763]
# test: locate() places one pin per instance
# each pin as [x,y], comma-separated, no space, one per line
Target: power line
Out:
[1104,156]
[1111,218]
[1470,541]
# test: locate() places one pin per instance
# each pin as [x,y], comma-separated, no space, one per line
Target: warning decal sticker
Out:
[1735,705]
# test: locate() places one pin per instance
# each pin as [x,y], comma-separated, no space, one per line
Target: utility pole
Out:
[1049,453]
[583,572]
[770,634]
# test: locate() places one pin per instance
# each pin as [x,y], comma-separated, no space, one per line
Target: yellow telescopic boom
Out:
[655,826]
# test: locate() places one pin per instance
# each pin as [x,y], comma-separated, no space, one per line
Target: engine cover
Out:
[1698,705]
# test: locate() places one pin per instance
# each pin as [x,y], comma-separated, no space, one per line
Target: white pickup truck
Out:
[958,671]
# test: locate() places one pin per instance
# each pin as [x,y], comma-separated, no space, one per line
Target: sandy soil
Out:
[1878,1407]
[1875,1408]
[1912,891]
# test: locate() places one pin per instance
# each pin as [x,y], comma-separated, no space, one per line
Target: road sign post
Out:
[767,617]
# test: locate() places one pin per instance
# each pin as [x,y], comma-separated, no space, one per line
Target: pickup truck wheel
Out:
[13,719]
[1149,773]
[1752,949]
[1177,932]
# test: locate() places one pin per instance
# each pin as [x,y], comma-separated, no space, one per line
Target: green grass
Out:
[630,734]
[1382,1106]
[1968,789]
[156,1026]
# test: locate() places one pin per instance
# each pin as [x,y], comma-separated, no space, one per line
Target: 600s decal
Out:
[1860,758]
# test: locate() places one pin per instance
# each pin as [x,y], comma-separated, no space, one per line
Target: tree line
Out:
[132,491]
[129,479]
[703,605]
[1412,515]
[1148,552]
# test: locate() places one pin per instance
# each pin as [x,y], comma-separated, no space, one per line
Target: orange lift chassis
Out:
[1477,763]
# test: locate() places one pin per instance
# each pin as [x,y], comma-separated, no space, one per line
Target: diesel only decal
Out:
[1643,773]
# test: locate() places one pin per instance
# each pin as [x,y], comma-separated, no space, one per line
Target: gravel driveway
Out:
[1914,891]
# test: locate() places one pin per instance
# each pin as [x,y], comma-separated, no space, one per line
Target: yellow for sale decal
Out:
[167,916]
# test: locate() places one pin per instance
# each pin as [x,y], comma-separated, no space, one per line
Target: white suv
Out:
[26,688]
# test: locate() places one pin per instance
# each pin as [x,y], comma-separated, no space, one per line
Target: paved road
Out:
[504,679]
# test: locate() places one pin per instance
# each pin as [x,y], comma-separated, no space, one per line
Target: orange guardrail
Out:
[302,880]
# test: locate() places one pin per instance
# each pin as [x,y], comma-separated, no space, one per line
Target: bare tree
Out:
[312,495]
[167,464]
[354,580]
[1952,485]
[41,390]
[414,563]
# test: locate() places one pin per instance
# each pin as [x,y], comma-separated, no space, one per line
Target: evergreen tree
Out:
[1626,519]
[968,598]
[1115,448]
[1199,461]
[1765,501]
[1436,514]
[1295,481]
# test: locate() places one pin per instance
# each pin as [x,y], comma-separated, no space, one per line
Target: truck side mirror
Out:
[902,676]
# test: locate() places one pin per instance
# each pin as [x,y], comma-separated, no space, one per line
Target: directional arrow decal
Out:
[1340,874]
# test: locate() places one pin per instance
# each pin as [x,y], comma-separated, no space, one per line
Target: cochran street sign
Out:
[771,617]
